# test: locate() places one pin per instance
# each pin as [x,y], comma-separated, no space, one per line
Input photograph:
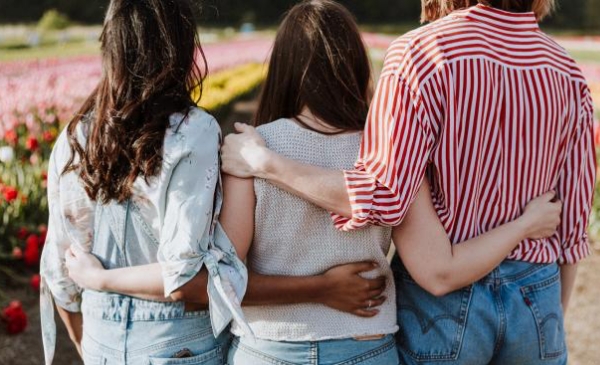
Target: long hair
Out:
[318,61]
[435,9]
[149,68]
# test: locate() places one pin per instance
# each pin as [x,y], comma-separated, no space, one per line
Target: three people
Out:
[140,188]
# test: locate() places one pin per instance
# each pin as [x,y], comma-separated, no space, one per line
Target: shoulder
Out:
[61,151]
[275,128]
[196,123]
[420,42]
[195,131]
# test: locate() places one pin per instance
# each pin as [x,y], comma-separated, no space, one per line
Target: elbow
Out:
[438,284]
[189,296]
[178,296]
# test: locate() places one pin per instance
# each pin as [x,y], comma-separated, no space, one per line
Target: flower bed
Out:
[28,131]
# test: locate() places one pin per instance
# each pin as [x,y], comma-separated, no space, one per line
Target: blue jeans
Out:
[123,330]
[512,316]
[330,352]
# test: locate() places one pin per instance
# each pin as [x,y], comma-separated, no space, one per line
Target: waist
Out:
[315,322]
[121,308]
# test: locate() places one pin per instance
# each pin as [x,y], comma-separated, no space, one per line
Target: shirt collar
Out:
[504,20]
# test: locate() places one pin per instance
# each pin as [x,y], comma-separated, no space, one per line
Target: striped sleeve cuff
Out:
[575,252]
[361,188]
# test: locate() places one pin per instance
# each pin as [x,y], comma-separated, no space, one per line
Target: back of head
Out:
[148,60]
[436,9]
[319,61]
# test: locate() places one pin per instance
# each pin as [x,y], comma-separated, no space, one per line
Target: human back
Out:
[312,108]
[296,238]
[492,80]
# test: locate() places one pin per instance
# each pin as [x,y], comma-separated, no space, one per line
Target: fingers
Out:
[365,266]
[548,197]
[377,283]
[375,302]
[366,313]
[243,128]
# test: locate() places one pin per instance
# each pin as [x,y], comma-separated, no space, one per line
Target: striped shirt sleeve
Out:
[393,157]
[576,184]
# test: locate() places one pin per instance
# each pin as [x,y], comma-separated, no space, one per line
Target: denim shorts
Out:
[245,351]
[123,330]
[512,316]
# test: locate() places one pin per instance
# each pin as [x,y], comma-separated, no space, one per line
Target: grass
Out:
[55,50]
[585,56]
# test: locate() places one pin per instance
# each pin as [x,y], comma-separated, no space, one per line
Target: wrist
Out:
[268,164]
[522,228]
[100,281]
[322,288]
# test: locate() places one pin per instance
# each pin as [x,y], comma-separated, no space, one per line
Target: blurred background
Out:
[49,63]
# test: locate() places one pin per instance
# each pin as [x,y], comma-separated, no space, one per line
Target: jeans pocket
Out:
[431,328]
[383,353]
[212,357]
[91,353]
[543,299]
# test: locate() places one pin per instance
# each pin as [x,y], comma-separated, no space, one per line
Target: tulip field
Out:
[37,99]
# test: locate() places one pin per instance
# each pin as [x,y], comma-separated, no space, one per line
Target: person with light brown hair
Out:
[491,112]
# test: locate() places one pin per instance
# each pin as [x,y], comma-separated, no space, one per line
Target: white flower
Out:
[7,154]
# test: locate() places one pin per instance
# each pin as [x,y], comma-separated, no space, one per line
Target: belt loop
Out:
[125,312]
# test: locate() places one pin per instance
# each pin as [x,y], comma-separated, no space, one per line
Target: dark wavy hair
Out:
[149,69]
[319,61]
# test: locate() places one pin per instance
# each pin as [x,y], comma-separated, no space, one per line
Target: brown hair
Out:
[319,61]
[148,71]
[435,9]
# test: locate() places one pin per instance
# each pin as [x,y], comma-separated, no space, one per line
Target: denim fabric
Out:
[124,330]
[245,351]
[512,316]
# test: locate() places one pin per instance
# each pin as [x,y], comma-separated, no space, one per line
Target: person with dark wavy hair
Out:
[134,180]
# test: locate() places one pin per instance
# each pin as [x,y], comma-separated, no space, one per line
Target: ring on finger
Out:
[370,304]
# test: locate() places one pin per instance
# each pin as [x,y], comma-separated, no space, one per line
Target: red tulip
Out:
[17,253]
[15,318]
[35,282]
[43,232]
[10,194]
[32,144]
[22,233]
[11,137]
[48,136]
[32,250]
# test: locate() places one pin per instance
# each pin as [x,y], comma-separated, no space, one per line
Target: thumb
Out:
[549,196]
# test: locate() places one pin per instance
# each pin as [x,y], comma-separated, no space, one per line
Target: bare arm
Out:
[568,274]
[74,323]
[341,287]
[440,267]
[144,282]
[246,156]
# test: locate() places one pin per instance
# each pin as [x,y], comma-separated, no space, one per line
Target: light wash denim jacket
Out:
[181,206]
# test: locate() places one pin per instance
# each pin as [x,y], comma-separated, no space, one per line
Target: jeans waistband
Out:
[120,308]
[511,271]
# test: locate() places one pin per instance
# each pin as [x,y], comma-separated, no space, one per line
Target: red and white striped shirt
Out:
[496,113]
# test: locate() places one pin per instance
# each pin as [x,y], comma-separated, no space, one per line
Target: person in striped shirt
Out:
[493,112]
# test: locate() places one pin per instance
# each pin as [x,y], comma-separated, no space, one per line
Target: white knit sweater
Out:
[294,237]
